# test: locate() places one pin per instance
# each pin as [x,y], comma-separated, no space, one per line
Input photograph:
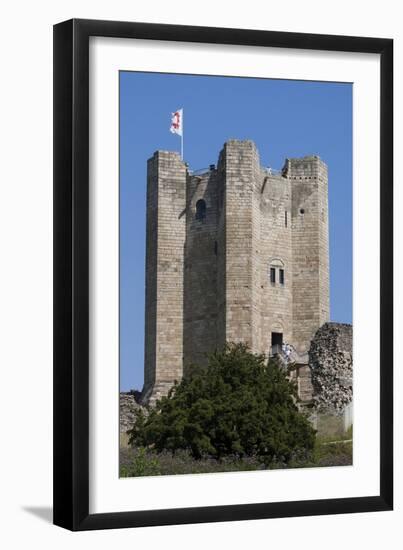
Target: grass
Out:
[142,462]
[337,438]
[338,453]
[134,462]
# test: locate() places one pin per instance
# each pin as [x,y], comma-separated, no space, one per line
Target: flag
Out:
[177,122]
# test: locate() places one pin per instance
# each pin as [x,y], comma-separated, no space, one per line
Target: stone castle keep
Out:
[235,253]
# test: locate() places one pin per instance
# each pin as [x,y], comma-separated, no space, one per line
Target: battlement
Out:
[307,167]
[232,142]
[304,168]
[163,153]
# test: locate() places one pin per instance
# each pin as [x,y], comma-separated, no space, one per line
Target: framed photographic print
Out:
[223,295]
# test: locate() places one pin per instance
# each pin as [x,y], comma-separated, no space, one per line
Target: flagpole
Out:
[182,145]
[182,137]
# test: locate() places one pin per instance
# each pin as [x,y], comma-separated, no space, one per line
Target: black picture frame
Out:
[71,274]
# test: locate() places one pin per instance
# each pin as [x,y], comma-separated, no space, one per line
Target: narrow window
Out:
[281,276]
[200,209]
[285,218]
[272,275]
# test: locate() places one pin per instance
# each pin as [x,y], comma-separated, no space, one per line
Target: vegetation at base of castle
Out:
[241,408]
[138,461]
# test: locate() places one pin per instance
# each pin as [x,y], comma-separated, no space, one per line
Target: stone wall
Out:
[331,363]
[276,253]
[166,207]
[301,375]
[200,270]
[242,241]
[127,409]
[310,247]
[221,253]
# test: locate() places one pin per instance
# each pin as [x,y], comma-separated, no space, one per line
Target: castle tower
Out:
[310,245]
[276,261]
[236,253]
[166,226]
[242,242]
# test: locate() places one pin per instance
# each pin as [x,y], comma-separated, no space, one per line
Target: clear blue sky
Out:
[284,118]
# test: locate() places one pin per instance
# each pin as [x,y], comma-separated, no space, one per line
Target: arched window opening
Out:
[200,209]
[276,272]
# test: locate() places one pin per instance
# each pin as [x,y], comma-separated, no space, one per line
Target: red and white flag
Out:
[177,122]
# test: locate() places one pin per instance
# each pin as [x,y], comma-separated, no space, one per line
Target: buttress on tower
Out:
[234,254]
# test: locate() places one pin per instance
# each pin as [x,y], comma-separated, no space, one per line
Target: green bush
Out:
[239,405]
[140,465]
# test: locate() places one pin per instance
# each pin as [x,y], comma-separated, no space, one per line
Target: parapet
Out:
[304,167]
[162,153]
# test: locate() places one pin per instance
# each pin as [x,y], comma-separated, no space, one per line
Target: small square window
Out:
[272,275]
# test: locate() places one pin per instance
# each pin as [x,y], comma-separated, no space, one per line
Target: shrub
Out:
[239,405]
[141,464]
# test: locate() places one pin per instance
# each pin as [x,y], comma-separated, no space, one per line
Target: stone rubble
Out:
[331,364]
[128,408]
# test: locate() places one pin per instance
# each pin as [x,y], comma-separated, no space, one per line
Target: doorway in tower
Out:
[276,342]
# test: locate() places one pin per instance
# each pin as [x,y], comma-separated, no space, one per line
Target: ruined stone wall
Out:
[128,408]
[331,364]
